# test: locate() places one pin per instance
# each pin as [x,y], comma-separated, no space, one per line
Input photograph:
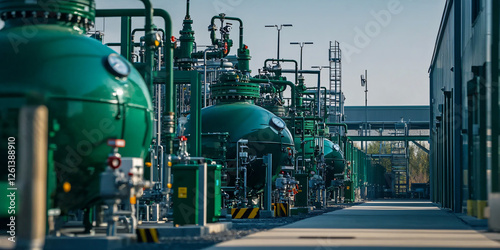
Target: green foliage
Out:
[419,160]
[381,148]
[419,165]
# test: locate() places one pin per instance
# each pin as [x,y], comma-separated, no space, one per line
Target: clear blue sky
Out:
[395,47]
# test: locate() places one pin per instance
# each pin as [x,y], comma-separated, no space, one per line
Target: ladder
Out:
[399,151]
[335,96]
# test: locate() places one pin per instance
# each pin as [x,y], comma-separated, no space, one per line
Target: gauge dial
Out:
[117,65]
[278,123]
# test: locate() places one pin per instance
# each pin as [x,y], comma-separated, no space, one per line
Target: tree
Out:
[419,165]
[419,160]
[381,148]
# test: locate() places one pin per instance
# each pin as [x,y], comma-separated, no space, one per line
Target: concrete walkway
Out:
[384,224]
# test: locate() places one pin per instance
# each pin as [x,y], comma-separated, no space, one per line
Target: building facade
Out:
[464,111]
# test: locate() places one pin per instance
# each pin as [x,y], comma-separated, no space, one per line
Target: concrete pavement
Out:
[384,224]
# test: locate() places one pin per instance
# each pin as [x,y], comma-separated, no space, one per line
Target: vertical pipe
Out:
[278,56]
[245,185]
[195,125]
[150,38]
[125,47]
[319,91]
[205,78]
[269,181]
[33,134]
[325,114]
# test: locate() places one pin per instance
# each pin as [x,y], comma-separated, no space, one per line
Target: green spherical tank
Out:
[243,120]
[92,94]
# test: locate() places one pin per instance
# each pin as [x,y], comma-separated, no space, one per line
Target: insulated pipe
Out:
[167,58]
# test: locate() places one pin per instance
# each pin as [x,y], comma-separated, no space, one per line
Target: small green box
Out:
[185,186]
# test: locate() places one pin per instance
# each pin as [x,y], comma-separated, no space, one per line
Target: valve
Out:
[114,158]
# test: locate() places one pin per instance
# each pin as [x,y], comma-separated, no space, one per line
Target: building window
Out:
[475,9]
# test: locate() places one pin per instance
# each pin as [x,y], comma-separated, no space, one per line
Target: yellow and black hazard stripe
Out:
[281,210]
[147,235]
[245,213]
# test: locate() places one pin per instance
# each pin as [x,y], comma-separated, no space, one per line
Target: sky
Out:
[392,39]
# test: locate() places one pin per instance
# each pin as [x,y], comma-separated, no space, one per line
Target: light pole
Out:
[364,83]
[278,27]
[319,84]
[301,44]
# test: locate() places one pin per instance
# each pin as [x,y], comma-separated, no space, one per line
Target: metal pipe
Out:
[205,74]
[149,39]
[164,172]
[245,185]
[269,182]
[118,44]
[153,164]
[278,82]
[237,160]
[325,114]
[334,124]
[212,36]
[316,72]
[285,60]
[187,10]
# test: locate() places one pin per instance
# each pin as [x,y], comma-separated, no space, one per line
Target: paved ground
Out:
[386,224]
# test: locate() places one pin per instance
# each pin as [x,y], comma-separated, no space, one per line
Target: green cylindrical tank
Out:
[92,94]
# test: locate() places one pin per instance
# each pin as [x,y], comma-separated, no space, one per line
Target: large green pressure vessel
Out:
[335,161]
[92,93]
[236,114]
[334,157]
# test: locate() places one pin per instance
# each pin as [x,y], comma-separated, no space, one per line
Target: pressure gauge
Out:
[277,123]
[117,65]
